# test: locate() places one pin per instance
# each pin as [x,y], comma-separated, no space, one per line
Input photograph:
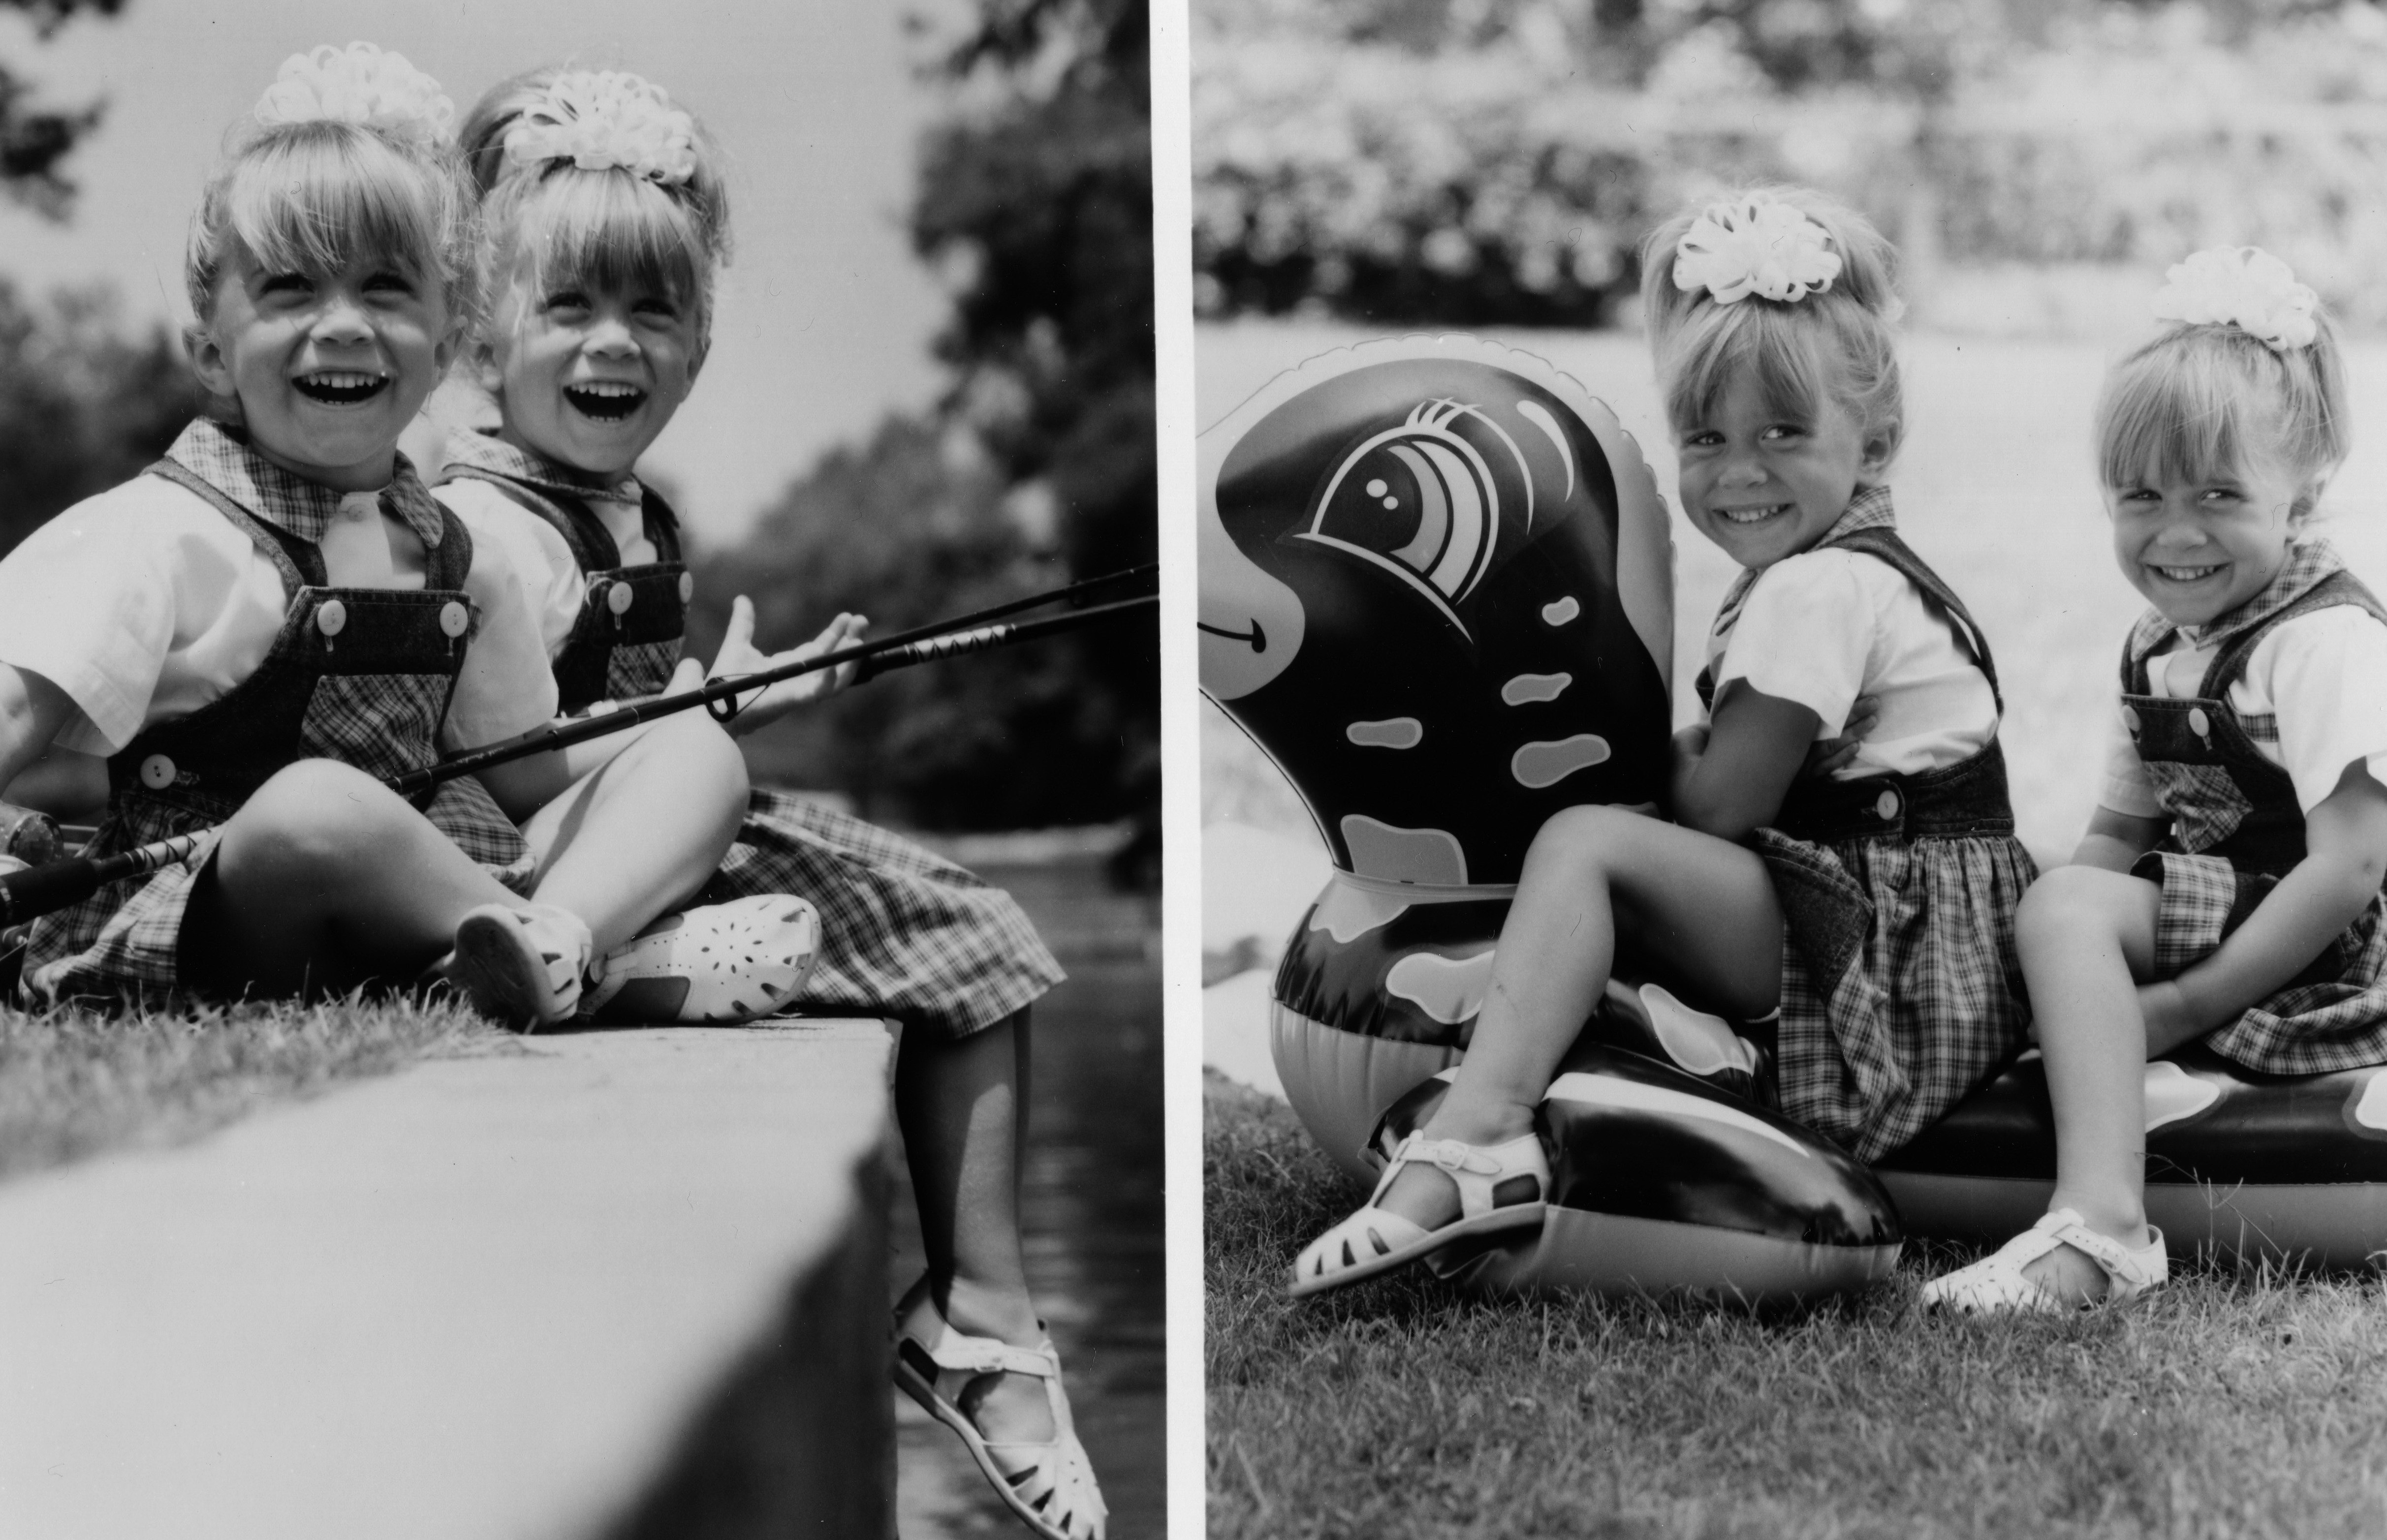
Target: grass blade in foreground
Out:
[2228,1405]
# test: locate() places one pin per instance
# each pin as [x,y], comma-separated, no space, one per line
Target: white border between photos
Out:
[1180,797]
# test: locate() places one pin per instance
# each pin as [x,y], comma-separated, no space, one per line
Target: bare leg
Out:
[323,880]
[961,1105]
[1699,904]
[2086,938]
[642,835]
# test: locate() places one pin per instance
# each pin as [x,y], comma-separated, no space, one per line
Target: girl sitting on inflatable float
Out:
[604,218]
[1871,904]
[2228,887]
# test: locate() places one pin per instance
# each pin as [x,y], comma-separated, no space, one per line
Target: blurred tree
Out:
[1497,161]
[34,139]
[83,405]
[1035,203]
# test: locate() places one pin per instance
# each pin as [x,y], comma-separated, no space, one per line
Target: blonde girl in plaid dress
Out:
[2229,886]
[279,611]
[604,219]
[1842,849]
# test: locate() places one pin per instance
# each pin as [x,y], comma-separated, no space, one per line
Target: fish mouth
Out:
[340,387]
[605,400]
[1258,637]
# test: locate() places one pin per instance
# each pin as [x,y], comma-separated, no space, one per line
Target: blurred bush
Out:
[84,404]
[1035,203]
[1497,161]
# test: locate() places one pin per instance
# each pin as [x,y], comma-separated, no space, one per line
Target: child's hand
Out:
[1836,754]
[740,655]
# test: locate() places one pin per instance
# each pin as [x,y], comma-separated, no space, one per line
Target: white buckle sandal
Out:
[1375,1240]
[521,966]
[721,963]
[1050,1486]
[1995,1284]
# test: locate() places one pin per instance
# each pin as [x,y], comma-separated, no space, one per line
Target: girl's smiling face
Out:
[328,368]
[1764,485]
[588,376]
[2198,549]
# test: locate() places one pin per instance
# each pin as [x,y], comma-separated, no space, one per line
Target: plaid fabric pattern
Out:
[487,452]
[2331,1016]
[223,459]
[1870,508]
[1901,990]
[2205,801]
[638,669]
[903,932]
[387,722]
[121,940]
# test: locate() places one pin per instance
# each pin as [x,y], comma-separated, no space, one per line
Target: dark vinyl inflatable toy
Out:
[1437,591]
[2286,1168]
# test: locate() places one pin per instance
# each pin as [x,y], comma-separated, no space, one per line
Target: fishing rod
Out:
[39,890]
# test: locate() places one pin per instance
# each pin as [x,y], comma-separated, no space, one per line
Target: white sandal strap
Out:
[2127,1273]
[1475,1170]
[962,1353]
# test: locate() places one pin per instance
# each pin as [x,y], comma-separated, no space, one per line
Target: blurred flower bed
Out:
[1497,161]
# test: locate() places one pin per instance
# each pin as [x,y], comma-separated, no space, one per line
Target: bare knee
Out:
[701,762]
[313,820]
[2070,908]
[1583,842]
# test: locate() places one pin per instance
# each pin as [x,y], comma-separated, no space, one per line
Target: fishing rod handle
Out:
[39,890]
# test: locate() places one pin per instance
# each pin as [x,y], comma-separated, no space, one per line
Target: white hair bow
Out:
[2242,286]
[604,120]
[1756,246]
[359,83]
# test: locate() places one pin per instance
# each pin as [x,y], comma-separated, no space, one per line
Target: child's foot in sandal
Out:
[522,965]
[1005,1401]
[721,963]
[1497,1187]
[2057,1264]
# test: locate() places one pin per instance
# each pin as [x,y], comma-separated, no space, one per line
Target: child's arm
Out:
[32,712]
[2115,840]
[2345,845]
[1730,775]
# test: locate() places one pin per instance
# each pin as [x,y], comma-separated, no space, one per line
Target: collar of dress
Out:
[221,456]
[485,452]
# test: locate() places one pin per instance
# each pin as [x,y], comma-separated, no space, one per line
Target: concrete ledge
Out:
[627,1283]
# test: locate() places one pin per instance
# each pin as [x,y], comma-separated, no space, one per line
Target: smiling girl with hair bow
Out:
[2229,886]
[1843,847]
[604,219]
[278,611]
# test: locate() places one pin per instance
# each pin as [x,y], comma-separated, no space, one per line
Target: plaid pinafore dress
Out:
[2236,829]
[1900,990]
[362,676]
[903,932]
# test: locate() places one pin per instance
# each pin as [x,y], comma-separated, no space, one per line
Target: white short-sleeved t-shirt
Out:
[144,603]
[1827,625]
[550,574]
[2323,674]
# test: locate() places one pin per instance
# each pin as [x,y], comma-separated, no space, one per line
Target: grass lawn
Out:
[2228,1405]
[73,1083]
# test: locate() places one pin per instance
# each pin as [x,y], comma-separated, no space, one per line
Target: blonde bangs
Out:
[1724,343]
[2201,404]
[316,198]
[610,231]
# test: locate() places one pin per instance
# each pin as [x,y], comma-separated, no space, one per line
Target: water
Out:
[1092,1213]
